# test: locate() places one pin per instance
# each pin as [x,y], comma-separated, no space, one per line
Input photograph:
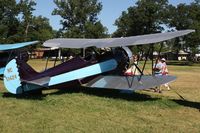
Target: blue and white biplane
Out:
[97,70]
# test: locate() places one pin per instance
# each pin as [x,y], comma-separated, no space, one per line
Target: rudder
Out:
[11,78]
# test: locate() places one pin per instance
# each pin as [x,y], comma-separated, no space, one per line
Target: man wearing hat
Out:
[161,69]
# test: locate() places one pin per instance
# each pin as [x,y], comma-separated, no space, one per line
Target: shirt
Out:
[158,68]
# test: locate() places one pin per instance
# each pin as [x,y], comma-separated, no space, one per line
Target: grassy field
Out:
[94,110]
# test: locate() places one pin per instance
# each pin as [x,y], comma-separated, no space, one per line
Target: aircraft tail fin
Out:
[11,78]
[16,84]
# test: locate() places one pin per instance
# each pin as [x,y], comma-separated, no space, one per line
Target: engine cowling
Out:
[123,55]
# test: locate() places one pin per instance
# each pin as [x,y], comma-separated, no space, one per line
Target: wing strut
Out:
[146,57]
[47,62]
[133,76]
[9,56]
[151,48]
[152,65]
[56,59]
[130,82]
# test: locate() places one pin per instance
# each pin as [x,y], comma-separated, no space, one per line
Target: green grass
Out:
[95,110]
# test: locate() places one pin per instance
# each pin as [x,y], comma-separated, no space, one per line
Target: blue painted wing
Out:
[4,47]
[2,70]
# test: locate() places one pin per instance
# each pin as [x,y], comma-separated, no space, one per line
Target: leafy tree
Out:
[26,7]
[18,24]
[34,28]
[80,18]
[40,29]
[186,17]
[146,17]
[8,21]
[179,16]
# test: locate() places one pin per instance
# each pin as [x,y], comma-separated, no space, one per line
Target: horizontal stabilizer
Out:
[42,82]
[130,83]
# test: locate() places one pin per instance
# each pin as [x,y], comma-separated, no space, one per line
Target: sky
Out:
[112,10]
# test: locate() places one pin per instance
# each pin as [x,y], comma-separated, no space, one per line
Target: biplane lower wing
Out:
[129,82]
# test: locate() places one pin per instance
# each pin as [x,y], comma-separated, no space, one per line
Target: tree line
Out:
[18,24]
[80,20]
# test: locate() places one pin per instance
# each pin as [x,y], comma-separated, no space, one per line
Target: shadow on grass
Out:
[108,93]
[186,103]
[29,96]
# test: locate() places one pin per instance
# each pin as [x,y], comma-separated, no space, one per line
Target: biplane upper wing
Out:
[115,42]
[4,47]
